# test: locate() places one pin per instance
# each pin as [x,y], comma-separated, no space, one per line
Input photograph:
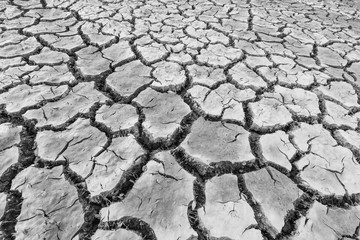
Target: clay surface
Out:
[179,119]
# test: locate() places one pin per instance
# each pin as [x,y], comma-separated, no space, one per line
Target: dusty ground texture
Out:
[184,119]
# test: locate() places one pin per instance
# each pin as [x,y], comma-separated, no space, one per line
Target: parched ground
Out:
[179,119]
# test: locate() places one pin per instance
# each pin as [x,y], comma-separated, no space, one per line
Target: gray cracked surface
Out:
[211,119]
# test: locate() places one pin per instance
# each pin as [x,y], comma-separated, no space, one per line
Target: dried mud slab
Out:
[208,120]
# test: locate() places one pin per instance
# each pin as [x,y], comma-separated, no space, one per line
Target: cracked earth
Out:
[190,119]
